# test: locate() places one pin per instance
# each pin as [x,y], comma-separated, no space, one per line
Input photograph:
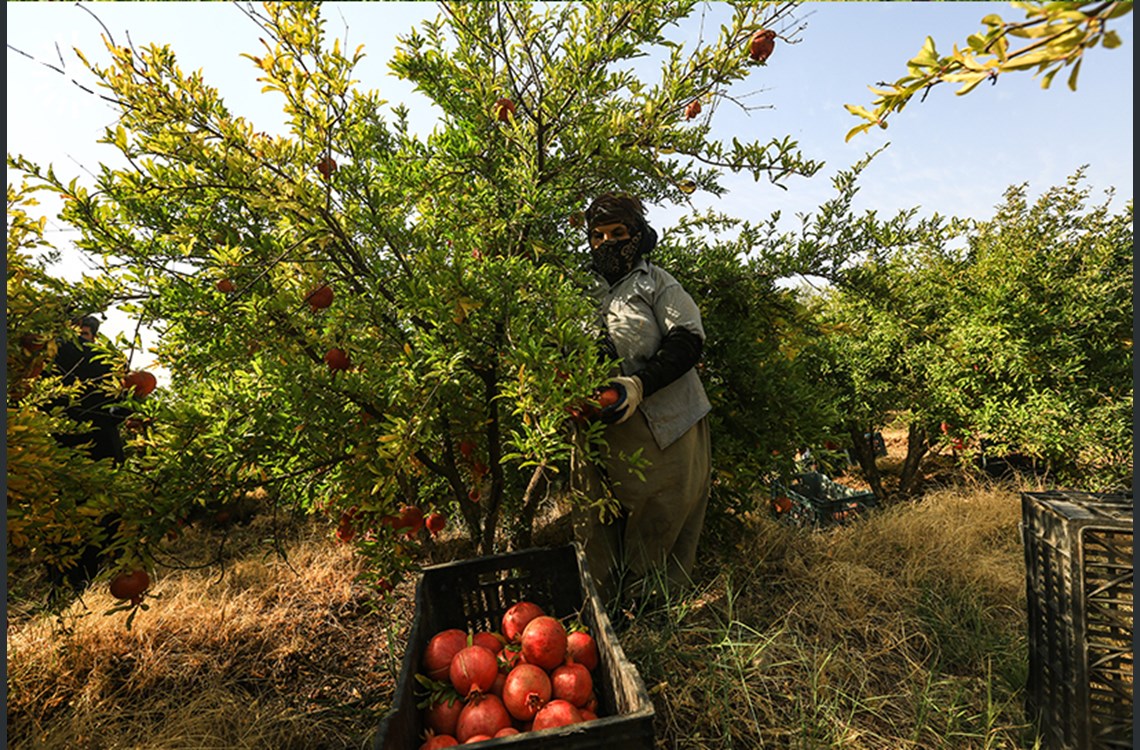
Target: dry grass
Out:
[905,630]
[274,654]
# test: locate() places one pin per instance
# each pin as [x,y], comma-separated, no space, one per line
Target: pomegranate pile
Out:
[535,673]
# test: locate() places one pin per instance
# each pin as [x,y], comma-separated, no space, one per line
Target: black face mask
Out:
[615,258]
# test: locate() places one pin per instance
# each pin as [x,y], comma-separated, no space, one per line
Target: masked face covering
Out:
[615,258]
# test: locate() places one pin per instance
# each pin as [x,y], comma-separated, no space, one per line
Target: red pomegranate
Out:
[572,682]
[762,44]
[557,713]
[437,741]
[517,617]
[484,714]
[473,670]
[582,648]
[506,732]
[526,690]
[435,522]
[440,650]
[345,531]
[320,298]
[337,359]
[130,585]
[498,684]
[504,109]
[442,716]
[32,342]
[608,396]
[141,382]
[411,518]
[490,641]
[326,166]
[693,109]
[544,642]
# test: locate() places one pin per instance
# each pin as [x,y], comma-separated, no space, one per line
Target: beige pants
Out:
[652,544]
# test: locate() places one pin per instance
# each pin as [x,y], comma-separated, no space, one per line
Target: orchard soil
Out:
[903,630]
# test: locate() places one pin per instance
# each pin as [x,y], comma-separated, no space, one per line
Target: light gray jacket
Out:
[637,312]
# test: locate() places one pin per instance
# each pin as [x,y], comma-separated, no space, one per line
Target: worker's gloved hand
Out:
[628,397]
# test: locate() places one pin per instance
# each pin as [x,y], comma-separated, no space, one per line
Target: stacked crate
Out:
[1078,562]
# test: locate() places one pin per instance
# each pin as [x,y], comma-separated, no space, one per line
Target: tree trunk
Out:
[536,489]
[916,448]
[494,453]
[865,455]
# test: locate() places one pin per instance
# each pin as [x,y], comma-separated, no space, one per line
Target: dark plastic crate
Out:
[1078,564]
[814,499]
[474,594]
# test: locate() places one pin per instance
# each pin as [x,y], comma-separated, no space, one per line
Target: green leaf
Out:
[1030,60]
[977,42]
[856,131]
[927,56]
[968,87]
[860,111]
[1073,75]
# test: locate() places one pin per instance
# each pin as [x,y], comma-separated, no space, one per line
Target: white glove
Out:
[629,397]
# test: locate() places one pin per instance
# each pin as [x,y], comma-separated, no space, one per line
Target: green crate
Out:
[473,595]
[814,499]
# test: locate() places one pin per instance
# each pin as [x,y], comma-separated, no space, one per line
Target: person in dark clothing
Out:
[97,404]
[97,409]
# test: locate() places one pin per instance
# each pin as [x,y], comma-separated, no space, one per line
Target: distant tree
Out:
[1005,336]
[1058,35]
[1040,327]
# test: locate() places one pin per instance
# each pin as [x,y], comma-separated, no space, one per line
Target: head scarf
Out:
[613,259]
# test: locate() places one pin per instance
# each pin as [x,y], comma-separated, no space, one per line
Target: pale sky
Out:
[952,154]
